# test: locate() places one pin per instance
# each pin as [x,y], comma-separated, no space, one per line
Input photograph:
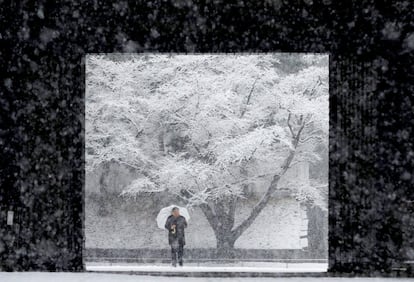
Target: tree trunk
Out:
[220,215]
[225,241]
[225,245]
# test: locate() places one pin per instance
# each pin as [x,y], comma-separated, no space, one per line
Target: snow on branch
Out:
[140,185]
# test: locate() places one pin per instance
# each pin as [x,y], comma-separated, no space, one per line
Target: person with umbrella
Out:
[176,238]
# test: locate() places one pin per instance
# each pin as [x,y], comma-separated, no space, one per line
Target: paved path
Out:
[193,268]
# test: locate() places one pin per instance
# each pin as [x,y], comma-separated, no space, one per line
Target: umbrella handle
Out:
[173,232]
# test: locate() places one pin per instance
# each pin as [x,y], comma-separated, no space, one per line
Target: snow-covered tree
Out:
[205,127]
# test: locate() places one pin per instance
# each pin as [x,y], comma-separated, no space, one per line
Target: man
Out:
[175,225]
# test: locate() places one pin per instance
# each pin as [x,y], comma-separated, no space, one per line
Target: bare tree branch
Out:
[298,134]
[130,165]
[309,138]
[254,151]
[290,126]
[248,98]
[139,130]
[211,216]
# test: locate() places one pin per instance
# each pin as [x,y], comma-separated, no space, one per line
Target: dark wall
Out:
[371,161]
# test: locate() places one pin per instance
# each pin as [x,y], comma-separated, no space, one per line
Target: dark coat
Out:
[180,223]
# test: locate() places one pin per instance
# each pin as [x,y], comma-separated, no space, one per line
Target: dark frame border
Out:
[41,118]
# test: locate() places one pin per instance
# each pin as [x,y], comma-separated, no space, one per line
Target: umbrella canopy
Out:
[166,212]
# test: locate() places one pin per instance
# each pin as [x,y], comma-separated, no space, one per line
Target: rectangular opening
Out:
[238,142]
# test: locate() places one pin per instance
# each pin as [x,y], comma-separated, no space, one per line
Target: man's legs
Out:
[180,254]
[173,255]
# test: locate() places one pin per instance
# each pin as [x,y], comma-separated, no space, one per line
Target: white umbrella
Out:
[166,212]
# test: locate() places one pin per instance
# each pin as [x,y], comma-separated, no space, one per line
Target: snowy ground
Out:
[265,267]
[101,277]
